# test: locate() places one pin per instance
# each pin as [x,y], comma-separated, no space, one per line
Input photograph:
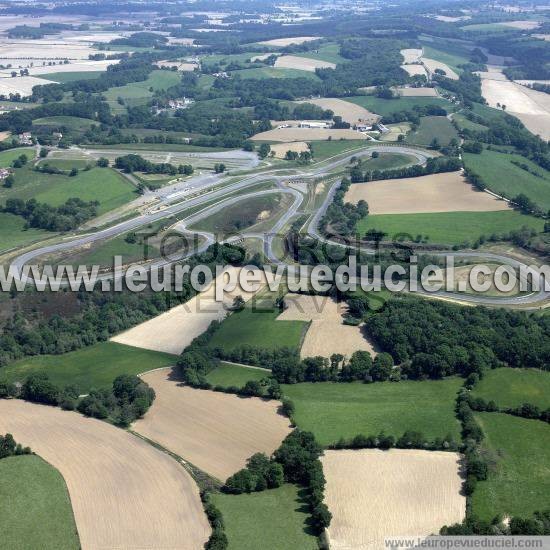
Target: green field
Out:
[257,325]
[326,149]
[433,127]
[520,482]
[9,155]
[70,122]
[91,367]
[67,164]
[388,161]
[103,184]
[14,234]
[326,52]
[137,93]
[453,57]
[512,387]
[449,227]
[35,509]
[276,517]
[262,73]
[503,177]
[333,410]
[71,76]
[385,107]
[229,374]
[487,27]
[465,124]
[174,147]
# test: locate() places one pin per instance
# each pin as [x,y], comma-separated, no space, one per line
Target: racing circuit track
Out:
[218,196]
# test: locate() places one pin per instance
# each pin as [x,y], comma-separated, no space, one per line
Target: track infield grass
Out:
[334,410]
[35,509]
[449,227]
[519,482]
[91,367]
[276,517]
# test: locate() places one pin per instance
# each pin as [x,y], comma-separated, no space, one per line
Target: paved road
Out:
[170,203]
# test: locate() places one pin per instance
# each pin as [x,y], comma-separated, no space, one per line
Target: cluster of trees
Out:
[467,88]
[409,440]
[129,397]
[432,166]
[218,538]
[259,474]
[525,410]
[8,447]
[266,109]
[136,163]
[141,40]
[341,218]
[70,215]
[413,115]
[433,340]
[26,31]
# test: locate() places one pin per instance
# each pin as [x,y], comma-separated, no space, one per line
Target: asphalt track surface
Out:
[171,203]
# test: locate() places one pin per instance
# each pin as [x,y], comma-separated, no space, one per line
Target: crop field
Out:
[280,149]
[432,65]
[71,122]
[417,92]
[216,432]
[327,333]
[230,374]
[13,233]
[512,387]
[326,149]
[286,135]
[502,176]
[444,192]
[277,517]
[71,76]
[433,127]
[258,325]
[35,510]
[262,73]
[334,410]
[395,130]
[450,227]
[102,184]
[326,52]
[302,63]
[21,85]
[519,483]
[90,367]
[350,112]
[282,42]
[116,501]
[384,107]
[415,69]
[372,494]
[173,330]
[411,55]
[453,57]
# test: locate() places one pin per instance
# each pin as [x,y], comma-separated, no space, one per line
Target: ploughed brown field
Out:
[124,492]
[445,192]
[216,432]
[374,494]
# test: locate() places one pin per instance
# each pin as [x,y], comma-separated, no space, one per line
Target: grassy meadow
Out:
[519,480]
[14,234]
[333,410]
[386,107]
[35,509]
[276,517]
[450,227]
[433,127]
[91,367]
[229,374]
[512,387]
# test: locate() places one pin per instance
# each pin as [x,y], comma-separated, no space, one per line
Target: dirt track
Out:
[125,493]
[374,494]
[445,192]
[215,431]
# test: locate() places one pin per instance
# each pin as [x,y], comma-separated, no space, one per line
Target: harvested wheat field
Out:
[417,92]
[395,130]
[431,65]
[21,85]
[77,66]
[174,330]
[373,494]
[522,25]
[348,111]
[414,69]
[215,431]
[282,42]
[530,106]
[124,492]
[445,192]
[327,333]
[286,135]
[302,63]
[411,55]
[280,149]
